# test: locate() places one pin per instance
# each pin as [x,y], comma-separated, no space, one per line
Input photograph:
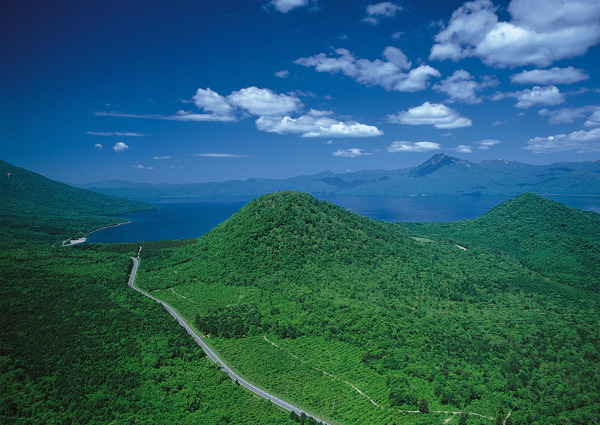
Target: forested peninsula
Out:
[487,321]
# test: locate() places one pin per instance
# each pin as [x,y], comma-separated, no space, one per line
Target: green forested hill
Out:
[34,208]
[78,346]
[557,241]
[366,322]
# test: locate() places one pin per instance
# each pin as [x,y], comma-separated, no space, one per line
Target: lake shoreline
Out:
[83,239]
[193,219]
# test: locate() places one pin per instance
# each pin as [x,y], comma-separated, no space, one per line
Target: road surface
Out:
[211,354]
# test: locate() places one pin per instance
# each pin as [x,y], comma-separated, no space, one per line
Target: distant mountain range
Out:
[440,175]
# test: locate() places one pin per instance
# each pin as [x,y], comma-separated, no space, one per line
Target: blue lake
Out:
[193,219]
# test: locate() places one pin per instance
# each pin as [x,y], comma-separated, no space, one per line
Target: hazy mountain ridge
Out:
[440,175]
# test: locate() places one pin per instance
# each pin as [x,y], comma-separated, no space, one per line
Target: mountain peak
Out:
[436,162]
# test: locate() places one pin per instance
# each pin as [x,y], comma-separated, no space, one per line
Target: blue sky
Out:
[188,91]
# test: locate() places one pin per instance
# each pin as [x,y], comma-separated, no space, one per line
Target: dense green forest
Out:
[557,241]
[370,322]
[37,209]
[78,346]
[487,321]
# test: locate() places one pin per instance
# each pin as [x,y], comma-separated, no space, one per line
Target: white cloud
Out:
[315,124]
[282,74]
[463,149]
[462,87]
[98,145]
[554,75]
[468,27]
[486,144]
[568,115]
[594,120]
[389,73]
[549,95]
[284,6]
[579,141]
[350,153]
[139,166]
[274,112]
[212,102]
[263,102]
[191,116]
[436,114]
[377,11]
[413,147]
[219,108]
[547,15]
[179,116]
[162,157]
[115,133]
[120,147]
[540,32]
[219,155]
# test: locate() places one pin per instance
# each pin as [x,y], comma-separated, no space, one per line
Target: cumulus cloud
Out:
[264,101]
[120,147]
[579,141]
[467,28]
[413,147]
[350,153]
[274,111]
[139,166]
[554,75]
[212,102]
[377,11]
[282,74]
[219,108]
[284,6]
[564,29]
[486,144]
[98,145]
[315,124]
[436,114]
[549,95]
[389,73]
[462,87]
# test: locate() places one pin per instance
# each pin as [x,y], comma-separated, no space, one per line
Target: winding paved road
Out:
[211,354]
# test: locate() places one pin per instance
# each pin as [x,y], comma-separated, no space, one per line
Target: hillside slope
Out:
[291,285]
[555,240]
[35,208]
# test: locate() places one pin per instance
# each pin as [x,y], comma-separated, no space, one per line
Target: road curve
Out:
[213,356]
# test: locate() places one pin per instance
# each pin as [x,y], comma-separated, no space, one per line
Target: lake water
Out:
[193,219]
